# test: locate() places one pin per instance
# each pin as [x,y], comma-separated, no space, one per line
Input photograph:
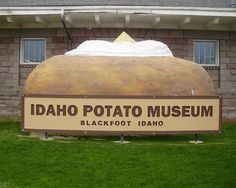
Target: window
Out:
[33,50]
[206,52]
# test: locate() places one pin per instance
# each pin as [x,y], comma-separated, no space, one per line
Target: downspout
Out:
[66,29]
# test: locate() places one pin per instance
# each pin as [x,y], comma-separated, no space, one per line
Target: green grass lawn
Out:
[160,161]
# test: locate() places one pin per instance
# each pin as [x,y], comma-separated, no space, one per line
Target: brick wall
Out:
[9,74]
[12,76]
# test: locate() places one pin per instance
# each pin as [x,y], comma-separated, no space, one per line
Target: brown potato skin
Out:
[93,75]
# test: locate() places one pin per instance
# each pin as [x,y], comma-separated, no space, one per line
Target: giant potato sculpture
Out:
[99,75]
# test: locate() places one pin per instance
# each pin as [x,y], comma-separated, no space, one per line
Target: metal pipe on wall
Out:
[66,29]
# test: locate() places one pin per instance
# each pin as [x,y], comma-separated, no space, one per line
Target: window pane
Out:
[202,55]
[205,52]
[30,51]
[25,46]
[197,52]
[42,54]
[33,50]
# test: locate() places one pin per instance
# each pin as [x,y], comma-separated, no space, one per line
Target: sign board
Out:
[121,114]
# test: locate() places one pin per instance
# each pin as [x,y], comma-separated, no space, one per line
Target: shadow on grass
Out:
[161,139]
[13,127]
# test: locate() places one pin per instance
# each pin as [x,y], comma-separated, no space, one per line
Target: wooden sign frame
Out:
[119,132]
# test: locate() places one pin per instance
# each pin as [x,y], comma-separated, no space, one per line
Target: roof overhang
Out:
[120,17]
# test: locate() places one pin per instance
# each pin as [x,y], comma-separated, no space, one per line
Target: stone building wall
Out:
[13,75]
[9,74]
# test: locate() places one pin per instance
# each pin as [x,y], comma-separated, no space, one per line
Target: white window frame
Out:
[22,51]
[217,53]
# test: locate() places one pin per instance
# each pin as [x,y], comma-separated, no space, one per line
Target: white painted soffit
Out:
[119,17]
[184,11]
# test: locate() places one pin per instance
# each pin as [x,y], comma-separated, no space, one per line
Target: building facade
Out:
[200,31]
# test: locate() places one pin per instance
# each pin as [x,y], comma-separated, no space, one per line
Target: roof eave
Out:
[160,10]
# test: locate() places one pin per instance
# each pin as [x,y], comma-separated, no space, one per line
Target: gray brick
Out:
[231,77]
[231,54]
[14,70]
[4,69]
[4,33]
[224,72]
[226,85]
[233,49]
[176,33]
[233,72]
[4,45]
[6,64]
[4,58]
[14,58]
[224,48]
[231,66]
[224,60]
[33,33]
[232,60]
[223,66]
[232,35]
[206,34]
